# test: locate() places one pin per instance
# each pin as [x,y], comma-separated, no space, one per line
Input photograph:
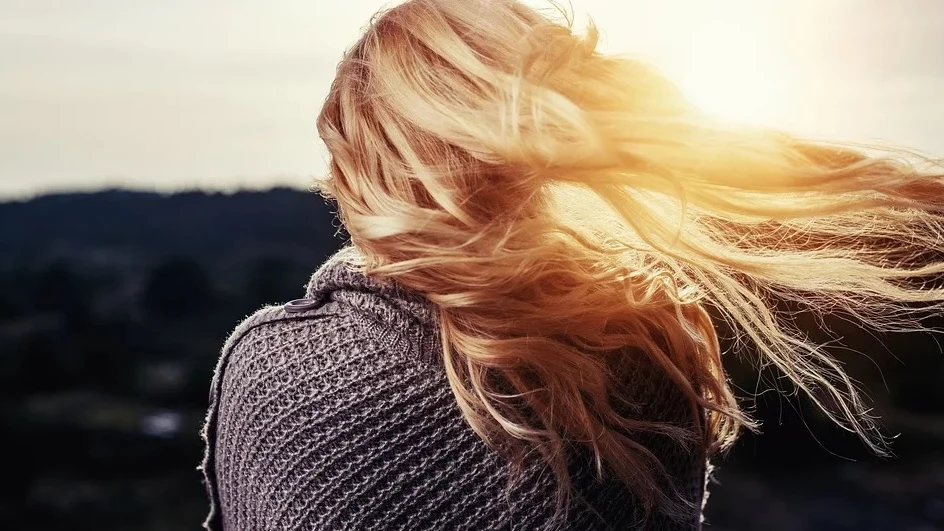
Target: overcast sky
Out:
[175,94]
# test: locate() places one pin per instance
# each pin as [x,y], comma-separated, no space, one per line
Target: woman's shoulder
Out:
[296,384]
[293,351]
[277,335]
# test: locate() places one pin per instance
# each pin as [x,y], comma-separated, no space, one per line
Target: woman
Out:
[518,336]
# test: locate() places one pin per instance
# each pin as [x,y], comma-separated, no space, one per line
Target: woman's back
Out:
[334,413]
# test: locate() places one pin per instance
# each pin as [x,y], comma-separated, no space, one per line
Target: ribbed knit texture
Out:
[335,414]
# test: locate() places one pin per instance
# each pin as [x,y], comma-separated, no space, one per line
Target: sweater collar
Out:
[341,278]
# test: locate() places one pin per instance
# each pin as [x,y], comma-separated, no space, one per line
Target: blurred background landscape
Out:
[114,305]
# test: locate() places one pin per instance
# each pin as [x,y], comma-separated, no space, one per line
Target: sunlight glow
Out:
[732,67]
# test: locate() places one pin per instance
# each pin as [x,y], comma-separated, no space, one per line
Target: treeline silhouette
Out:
[144,226]
[114,305]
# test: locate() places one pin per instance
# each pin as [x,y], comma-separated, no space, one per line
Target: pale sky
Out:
[177,94]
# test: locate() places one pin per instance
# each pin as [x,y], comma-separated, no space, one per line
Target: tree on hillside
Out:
[273,280]
[58,288]
[178,288]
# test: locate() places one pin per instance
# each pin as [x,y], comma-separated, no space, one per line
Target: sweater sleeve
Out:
[208,465]
[315,424]
[251,382]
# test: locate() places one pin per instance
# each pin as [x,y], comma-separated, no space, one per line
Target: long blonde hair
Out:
[558,205]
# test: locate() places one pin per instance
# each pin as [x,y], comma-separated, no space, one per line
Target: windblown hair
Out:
[559,205]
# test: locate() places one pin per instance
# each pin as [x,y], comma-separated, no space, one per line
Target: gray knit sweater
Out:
[333,412]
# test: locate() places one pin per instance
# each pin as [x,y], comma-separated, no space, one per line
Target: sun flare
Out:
[732,67]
